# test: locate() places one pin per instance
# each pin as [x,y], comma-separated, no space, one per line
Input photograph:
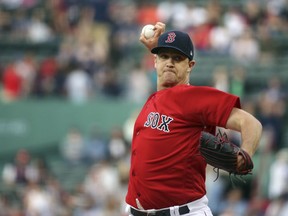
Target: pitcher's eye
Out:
[178,58]
[163,56]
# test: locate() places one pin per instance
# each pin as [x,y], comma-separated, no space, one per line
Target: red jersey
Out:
[166,166]
[12,82]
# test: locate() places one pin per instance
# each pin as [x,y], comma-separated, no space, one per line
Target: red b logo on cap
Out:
[170,38]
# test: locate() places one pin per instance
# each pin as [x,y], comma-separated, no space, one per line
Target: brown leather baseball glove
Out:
[220,153]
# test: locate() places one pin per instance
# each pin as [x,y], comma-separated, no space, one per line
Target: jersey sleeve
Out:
[208,106]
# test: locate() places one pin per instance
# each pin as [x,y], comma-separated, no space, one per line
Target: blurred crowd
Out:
[99,55]
[33,188]
[98,51]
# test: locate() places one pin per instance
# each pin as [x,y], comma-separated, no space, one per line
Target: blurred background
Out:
[74,76]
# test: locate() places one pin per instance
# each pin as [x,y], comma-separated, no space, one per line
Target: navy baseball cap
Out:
[176,40]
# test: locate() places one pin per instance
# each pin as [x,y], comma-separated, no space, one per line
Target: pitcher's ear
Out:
[155,60]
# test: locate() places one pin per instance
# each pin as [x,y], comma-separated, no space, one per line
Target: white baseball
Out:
[148,31]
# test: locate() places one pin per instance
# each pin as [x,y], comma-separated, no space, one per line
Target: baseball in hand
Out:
[148,31]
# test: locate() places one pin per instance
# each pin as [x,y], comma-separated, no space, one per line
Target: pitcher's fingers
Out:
[159,29]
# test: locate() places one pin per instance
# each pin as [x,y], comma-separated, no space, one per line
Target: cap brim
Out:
[155,50]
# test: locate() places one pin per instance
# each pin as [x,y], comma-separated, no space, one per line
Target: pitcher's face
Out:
[173,68]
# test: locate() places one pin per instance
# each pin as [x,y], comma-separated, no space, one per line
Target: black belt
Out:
[165,212]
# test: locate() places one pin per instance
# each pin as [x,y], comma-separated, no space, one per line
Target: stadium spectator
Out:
[72,146]
[22,170]
[95,148]
[117,145]
[78,85]
[278,175]
[12,84]
[38,31]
